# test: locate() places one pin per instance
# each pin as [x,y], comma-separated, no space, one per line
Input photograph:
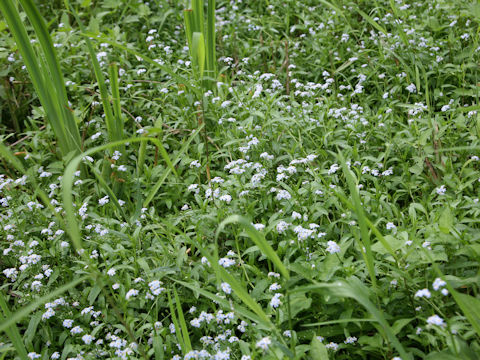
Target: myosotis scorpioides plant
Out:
[8,322]
[298,208]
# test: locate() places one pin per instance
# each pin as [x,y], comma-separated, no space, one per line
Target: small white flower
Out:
[441,190]
[87,339]
[264,343]
[130,293]
[412,88]
[391,226]
[436,320]
[332,345]
[350,340]
[103,200]
[259,227]
[76,330]
[274,287]
[423,293]
[438,283]
[195,163]
[283,194]
[275,302]
[226,288]
[333,247]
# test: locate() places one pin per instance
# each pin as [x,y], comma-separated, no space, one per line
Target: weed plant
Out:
[318,200]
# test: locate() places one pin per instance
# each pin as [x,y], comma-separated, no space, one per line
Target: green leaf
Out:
[12,330]
[445,223]
[257,238]
[318,351]
[353,288]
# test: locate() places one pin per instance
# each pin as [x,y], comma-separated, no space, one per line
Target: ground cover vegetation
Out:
[239,179]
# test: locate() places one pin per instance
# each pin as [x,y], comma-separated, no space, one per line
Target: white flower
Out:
[391,226]
[155,287]
[333,247]
[412,88]
[438,283]
[96,135]
[296,215]
[68,323]
[283,194]
[195,163]
[34,355]
[282,226]
[227,198]
[436,320]
[103,200]
[441,190]
[130,293]
[423,293]
[226,288]
[350,340]
[87,339]
[226,262]
[275,302]
[274,287]
[76,330]
[332,345]
[444,292]
[264,343]
[48,314]
[259,227]
[111,272]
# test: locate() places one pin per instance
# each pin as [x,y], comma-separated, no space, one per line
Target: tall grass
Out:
[201,41]
[44,70]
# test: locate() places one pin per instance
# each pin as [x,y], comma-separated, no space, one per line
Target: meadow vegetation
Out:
[269,179]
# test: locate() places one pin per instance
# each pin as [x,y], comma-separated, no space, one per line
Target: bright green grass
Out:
[321,201]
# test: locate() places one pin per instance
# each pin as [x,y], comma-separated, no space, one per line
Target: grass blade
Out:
[51,101]
[160,181]
[367,252]
[183,324]
[26,310]
[354,289]
[69,174]
[211,61]
[178,330]
[12,331]
[53,65]
[113,133]
[180,79]
[258,239]
[117,109]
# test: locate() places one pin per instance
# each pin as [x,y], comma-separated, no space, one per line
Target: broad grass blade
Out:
[353,288]
[12,331]
[258,239]
[352,185]
[44,73]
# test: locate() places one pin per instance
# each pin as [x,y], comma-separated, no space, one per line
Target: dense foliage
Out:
[322,201]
